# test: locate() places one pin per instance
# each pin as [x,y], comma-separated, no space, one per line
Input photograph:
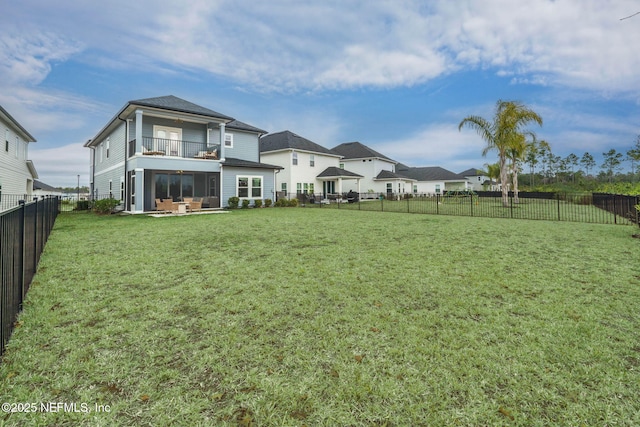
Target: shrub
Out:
[245,203]
[233,202]
[104,206]
[267,203]
[282,202]
[293,203]
[257,203]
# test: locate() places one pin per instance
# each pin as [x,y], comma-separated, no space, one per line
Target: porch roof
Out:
[239,163]
[335,172]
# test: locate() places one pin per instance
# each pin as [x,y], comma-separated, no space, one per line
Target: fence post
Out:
[471,200]
[511,205]
[437,204]
[558,197]
[22,251]
[407,205]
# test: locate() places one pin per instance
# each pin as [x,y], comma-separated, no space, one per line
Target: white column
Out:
[222,153]
[138,134]
[139,208]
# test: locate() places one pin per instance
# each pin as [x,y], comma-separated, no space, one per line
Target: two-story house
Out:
[169,148]
[308,168]
[17,172]
[479,180]
[378,171]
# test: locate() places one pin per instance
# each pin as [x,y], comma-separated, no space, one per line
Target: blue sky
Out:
[397,75]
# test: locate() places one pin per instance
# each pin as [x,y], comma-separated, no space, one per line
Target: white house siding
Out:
[230,178]
[15,177]
[302,173]
[369,169]
[110,168]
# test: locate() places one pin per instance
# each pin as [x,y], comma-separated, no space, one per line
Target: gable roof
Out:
[173,103]
[472,172]
[431,173]
[335,172]
[385,174]
[39,185]
[25,135]
[357,150]
[287,140]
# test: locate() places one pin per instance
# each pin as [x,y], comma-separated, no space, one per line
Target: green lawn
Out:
[320,317]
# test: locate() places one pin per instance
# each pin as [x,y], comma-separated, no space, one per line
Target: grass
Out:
[319,317]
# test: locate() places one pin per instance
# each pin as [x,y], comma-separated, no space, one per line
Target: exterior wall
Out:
[302,173]
[369,169]
[246,145]
[475,182]
[230,178]
[15,177]
[109,169]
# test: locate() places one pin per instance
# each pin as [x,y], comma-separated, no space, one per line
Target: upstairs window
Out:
[228,140]
[312,160]
[107,147]
[294,158]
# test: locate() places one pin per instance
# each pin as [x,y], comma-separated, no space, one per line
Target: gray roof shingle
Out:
[230,161]
[431,173]
[174,103]
[357,150]
[335,172]
[288,140]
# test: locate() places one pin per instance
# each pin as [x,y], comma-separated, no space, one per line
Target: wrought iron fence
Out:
[24,231]
[559,206]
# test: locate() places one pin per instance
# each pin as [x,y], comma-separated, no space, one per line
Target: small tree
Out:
[611,164]
[587,162]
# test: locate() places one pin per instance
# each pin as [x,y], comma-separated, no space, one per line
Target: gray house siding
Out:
[191,132]
[246,145]
[230,178]
[110,168]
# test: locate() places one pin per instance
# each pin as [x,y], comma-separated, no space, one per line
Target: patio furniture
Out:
[194,203]
[166,205]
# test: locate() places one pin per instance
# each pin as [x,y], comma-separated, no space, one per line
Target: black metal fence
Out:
[23,233]
[559,206]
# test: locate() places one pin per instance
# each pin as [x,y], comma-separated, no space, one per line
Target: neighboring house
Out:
[41,189]
[479,180]
[308,168]
[432,179]
[378,171]
[17,172]
[166,147]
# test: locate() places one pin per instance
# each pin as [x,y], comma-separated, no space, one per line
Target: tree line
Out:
[519,149]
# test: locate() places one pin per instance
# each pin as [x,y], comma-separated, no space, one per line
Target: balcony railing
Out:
[176,148]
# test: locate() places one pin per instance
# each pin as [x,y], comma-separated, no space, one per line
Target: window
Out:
[107,147]
[110,189]
[341,165]
[437,188]
[312,160]
[6,140]
[311,190]
[389,187]
[306,187]
[283,186]
[249,187]
[228,140]
[294,158]
[299,188]
[415,188]
[122,189]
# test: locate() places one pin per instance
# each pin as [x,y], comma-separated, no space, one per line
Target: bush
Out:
[233,202]
[104,206]
[257,203]
[282,202]
[293,203]
[245,203]
[267,203]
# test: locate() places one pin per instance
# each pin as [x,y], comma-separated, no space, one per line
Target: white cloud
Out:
[61,166]
[439,144]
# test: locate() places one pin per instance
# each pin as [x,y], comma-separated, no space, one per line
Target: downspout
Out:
[93,167]
[126,159]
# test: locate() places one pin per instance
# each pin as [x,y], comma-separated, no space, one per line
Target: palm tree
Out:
[516,152]
[509,120]
[493,172]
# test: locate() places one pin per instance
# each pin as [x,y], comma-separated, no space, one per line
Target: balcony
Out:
[176,148]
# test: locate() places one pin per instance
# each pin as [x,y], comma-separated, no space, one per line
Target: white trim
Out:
[230,136]
[250,187]
[109,169]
